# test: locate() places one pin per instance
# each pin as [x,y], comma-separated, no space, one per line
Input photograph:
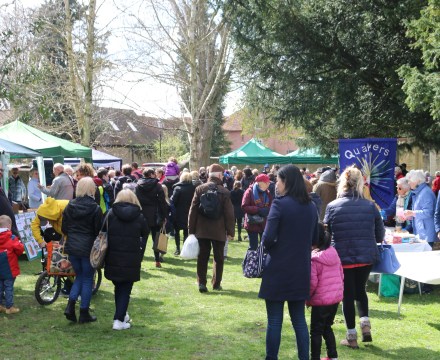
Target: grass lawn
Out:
[172,320]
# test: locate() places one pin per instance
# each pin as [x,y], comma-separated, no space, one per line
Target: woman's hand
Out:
[409,214]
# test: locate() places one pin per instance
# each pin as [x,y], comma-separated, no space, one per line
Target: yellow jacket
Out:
[52,210]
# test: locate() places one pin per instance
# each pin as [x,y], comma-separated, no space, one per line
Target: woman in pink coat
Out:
[326,291]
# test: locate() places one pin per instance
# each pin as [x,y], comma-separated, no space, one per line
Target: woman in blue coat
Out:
[423,207]
[292,227]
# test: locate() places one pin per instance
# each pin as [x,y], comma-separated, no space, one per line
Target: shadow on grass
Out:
[401,353]
[435,326]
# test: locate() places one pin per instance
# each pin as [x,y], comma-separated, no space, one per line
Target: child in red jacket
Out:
[326,291]
[10,249]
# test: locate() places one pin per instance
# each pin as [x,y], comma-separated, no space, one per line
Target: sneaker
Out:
[2,309]
[127,318]
[158,265]
[217,288]
[121,325]
[203,288]
[12,310]
[177,253]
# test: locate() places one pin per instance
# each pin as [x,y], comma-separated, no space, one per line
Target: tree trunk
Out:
[88,86]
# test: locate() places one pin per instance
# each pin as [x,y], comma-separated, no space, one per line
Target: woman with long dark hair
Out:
[292,227]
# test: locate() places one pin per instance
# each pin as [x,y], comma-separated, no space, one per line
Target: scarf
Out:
[256,191]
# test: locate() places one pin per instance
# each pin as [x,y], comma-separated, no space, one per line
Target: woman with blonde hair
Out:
[81,223]
[126,232]
[356,227]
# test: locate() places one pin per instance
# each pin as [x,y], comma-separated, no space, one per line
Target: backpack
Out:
[210,205]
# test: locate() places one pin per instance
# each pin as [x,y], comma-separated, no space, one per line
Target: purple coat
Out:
[326,278]
[172,169]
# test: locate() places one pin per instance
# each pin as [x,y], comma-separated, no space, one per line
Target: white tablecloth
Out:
[412,247]
[421,266]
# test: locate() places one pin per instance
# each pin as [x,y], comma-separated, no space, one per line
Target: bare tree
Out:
[185,44]
[81,87]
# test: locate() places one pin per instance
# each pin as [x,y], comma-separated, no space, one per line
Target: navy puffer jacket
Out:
[356,226]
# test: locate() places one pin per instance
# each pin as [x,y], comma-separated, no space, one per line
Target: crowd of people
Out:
[320,231]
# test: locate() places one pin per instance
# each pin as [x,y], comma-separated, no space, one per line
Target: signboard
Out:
[31,247]
[376,159]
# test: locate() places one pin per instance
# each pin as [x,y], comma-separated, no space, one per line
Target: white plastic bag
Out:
[190,249]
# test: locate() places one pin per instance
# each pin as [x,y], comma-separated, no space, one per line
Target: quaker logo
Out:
[376,159]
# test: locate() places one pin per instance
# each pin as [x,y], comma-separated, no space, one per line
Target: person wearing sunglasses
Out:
[401,202]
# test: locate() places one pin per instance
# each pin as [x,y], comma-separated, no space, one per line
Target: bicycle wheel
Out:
[97,278]
[47,288]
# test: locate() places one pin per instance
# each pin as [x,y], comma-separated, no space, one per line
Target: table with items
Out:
[414,256]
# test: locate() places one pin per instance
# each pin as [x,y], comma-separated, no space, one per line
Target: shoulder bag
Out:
[100,245]
[254,262]
[387,262]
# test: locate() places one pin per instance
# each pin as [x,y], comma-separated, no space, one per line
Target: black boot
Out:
[70,311]
[85,317]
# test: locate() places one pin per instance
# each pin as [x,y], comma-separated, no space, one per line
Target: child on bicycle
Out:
[10,249]
[326,291]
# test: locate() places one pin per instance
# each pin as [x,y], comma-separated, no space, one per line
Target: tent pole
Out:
[41,174]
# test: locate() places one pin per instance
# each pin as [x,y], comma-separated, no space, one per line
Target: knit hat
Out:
[328,176]
[216,168]
[262,178]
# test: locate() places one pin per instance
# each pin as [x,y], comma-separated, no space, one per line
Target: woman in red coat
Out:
[256,204]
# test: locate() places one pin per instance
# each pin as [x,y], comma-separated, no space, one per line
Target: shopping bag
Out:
[57,261]
[161,241]
[100,245]
[390,285]
[191,248]
[254,262]
[387,262]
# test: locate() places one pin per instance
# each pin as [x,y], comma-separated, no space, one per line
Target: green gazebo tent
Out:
[254,153]
[310,156]
[48,145]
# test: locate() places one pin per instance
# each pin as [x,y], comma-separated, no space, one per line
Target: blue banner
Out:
[376,159]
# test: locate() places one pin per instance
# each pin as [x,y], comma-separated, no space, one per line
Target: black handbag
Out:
[255,219]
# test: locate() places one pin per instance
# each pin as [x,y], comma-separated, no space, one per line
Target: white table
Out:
[421,266]
[408,252]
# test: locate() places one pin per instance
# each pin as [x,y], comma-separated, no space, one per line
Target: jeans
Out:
[253,240]
[321,327]
[355,281]
[7,292]
[275,311]
[83,283]
[122,298]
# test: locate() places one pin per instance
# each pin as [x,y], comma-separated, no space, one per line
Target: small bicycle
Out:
[48,286]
